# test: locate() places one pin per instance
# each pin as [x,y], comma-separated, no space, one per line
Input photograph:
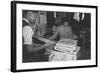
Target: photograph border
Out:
[13,34]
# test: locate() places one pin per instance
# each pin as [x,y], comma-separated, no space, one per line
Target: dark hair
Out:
[63,21]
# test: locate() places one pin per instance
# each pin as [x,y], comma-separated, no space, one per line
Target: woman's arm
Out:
[34,49]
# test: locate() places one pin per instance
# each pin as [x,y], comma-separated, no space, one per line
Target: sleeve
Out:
[27,35]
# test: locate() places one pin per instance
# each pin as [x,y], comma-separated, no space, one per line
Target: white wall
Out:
[5,36]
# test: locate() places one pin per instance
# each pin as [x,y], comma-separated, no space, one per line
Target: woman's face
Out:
[32,16]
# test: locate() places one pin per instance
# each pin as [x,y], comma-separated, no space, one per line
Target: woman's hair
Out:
[25,12]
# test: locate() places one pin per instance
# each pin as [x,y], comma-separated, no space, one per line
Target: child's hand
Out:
[75,37]
[48,51]
[48,44]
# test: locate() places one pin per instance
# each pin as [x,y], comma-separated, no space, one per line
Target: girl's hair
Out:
[63,21]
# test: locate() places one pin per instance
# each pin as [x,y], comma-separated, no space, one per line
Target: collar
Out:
[26,20]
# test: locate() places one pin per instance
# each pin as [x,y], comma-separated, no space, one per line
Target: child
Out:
[64,31]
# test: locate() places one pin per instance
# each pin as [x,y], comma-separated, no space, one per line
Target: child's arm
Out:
[54,36]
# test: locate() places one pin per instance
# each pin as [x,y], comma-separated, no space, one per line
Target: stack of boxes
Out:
[65,49]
